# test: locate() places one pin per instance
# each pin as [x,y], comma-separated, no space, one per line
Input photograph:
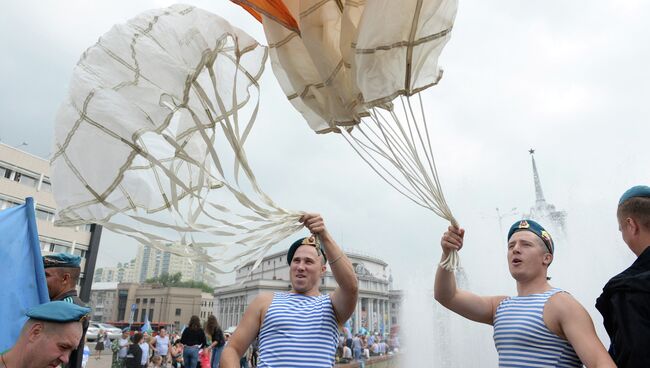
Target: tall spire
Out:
[539,194]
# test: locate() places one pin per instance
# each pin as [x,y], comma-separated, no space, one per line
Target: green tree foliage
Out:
[174,280]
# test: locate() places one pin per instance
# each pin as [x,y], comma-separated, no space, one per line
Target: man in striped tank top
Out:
[300,328]
[625,301]
[540,327]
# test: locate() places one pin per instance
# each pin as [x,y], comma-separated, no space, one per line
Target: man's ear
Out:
[36,331]
[548,259]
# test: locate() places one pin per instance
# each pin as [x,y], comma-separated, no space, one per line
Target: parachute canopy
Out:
[153,130]
[356,64]
[351,56]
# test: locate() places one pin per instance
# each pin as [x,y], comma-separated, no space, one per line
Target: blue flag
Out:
[24,284]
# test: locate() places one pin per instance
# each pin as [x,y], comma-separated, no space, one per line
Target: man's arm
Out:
[567,318]
[247,330]
[469,305]
[344,298]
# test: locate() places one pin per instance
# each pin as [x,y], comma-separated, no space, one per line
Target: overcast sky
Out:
[570,79]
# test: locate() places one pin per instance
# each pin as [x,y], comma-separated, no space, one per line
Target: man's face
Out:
[55,281]
[50,344]
[163,333]
[306,270]
[527,256]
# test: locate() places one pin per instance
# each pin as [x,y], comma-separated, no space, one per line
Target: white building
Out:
[151,262]
[24,175]
[103,296]
[124,272]
[373,310]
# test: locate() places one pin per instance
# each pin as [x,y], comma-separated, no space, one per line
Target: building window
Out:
[178,311]
[137,300]
[58,248]
[145,300]
[46,187]
[152,301]
[17,177]
[151,314]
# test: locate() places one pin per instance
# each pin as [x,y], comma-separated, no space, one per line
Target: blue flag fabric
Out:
[24,284]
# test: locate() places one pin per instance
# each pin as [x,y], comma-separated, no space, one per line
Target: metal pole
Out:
[91,260]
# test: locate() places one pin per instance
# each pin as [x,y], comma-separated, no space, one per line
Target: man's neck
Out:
[13,359]
[534,286]
[306,293]
[64,294]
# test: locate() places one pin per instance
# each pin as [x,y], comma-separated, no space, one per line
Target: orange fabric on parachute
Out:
[274,9]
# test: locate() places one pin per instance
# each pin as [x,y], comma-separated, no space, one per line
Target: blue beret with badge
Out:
[59,312]
[311,240]
[634,192]
[535,228]
[61,260]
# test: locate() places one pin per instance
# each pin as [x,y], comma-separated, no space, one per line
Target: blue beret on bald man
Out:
[58,311]
[61,260]
[311,241]
[535,228]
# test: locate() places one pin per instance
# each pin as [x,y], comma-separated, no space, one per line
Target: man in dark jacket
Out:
[62,274]
[625,301]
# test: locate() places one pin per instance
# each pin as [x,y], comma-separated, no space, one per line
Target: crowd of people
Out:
[197,346]
[361,347]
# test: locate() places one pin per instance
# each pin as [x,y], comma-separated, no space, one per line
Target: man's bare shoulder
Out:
[562,303]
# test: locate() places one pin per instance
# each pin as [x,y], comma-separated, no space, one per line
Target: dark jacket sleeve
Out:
[630,312]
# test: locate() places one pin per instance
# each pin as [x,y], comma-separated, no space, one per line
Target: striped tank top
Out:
[522,338]
[298,331]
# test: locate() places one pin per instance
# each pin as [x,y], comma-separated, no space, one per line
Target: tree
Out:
[174,280]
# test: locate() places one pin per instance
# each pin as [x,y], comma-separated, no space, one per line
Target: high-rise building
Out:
[24,175]
[151,262]
[124,272]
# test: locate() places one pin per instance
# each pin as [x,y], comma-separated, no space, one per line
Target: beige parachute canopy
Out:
[149,142]
[358,64]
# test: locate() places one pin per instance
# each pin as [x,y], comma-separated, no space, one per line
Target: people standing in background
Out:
[217,340]
[193,339]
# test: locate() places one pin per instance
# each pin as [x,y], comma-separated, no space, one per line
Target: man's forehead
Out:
[306,251]
[526,236]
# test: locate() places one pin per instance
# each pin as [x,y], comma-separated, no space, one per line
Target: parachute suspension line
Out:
[396,144]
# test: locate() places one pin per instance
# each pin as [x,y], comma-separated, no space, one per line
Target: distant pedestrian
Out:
[134,354]
[215,334]
[193,339]
[99,345]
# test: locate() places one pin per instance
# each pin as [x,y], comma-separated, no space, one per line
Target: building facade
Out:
[172,306]
[124,272]
[151,262]
[103,297]
[375,306]
[24,175]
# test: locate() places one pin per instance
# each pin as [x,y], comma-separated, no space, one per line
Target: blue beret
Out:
[535,228]
[58,311]
[635,191]
[61,260]
[304,241]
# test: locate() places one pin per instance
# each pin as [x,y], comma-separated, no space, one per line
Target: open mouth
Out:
[516,261]
[301,276]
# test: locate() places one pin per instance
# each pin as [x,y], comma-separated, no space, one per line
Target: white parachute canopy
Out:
[358,64]
[149,142]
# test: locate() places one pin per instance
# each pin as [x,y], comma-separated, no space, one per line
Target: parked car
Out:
[94,327]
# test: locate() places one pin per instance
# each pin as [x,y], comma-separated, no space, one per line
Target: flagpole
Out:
[91,260]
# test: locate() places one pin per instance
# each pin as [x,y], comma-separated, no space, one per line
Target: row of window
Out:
[41,214]
[26,179]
